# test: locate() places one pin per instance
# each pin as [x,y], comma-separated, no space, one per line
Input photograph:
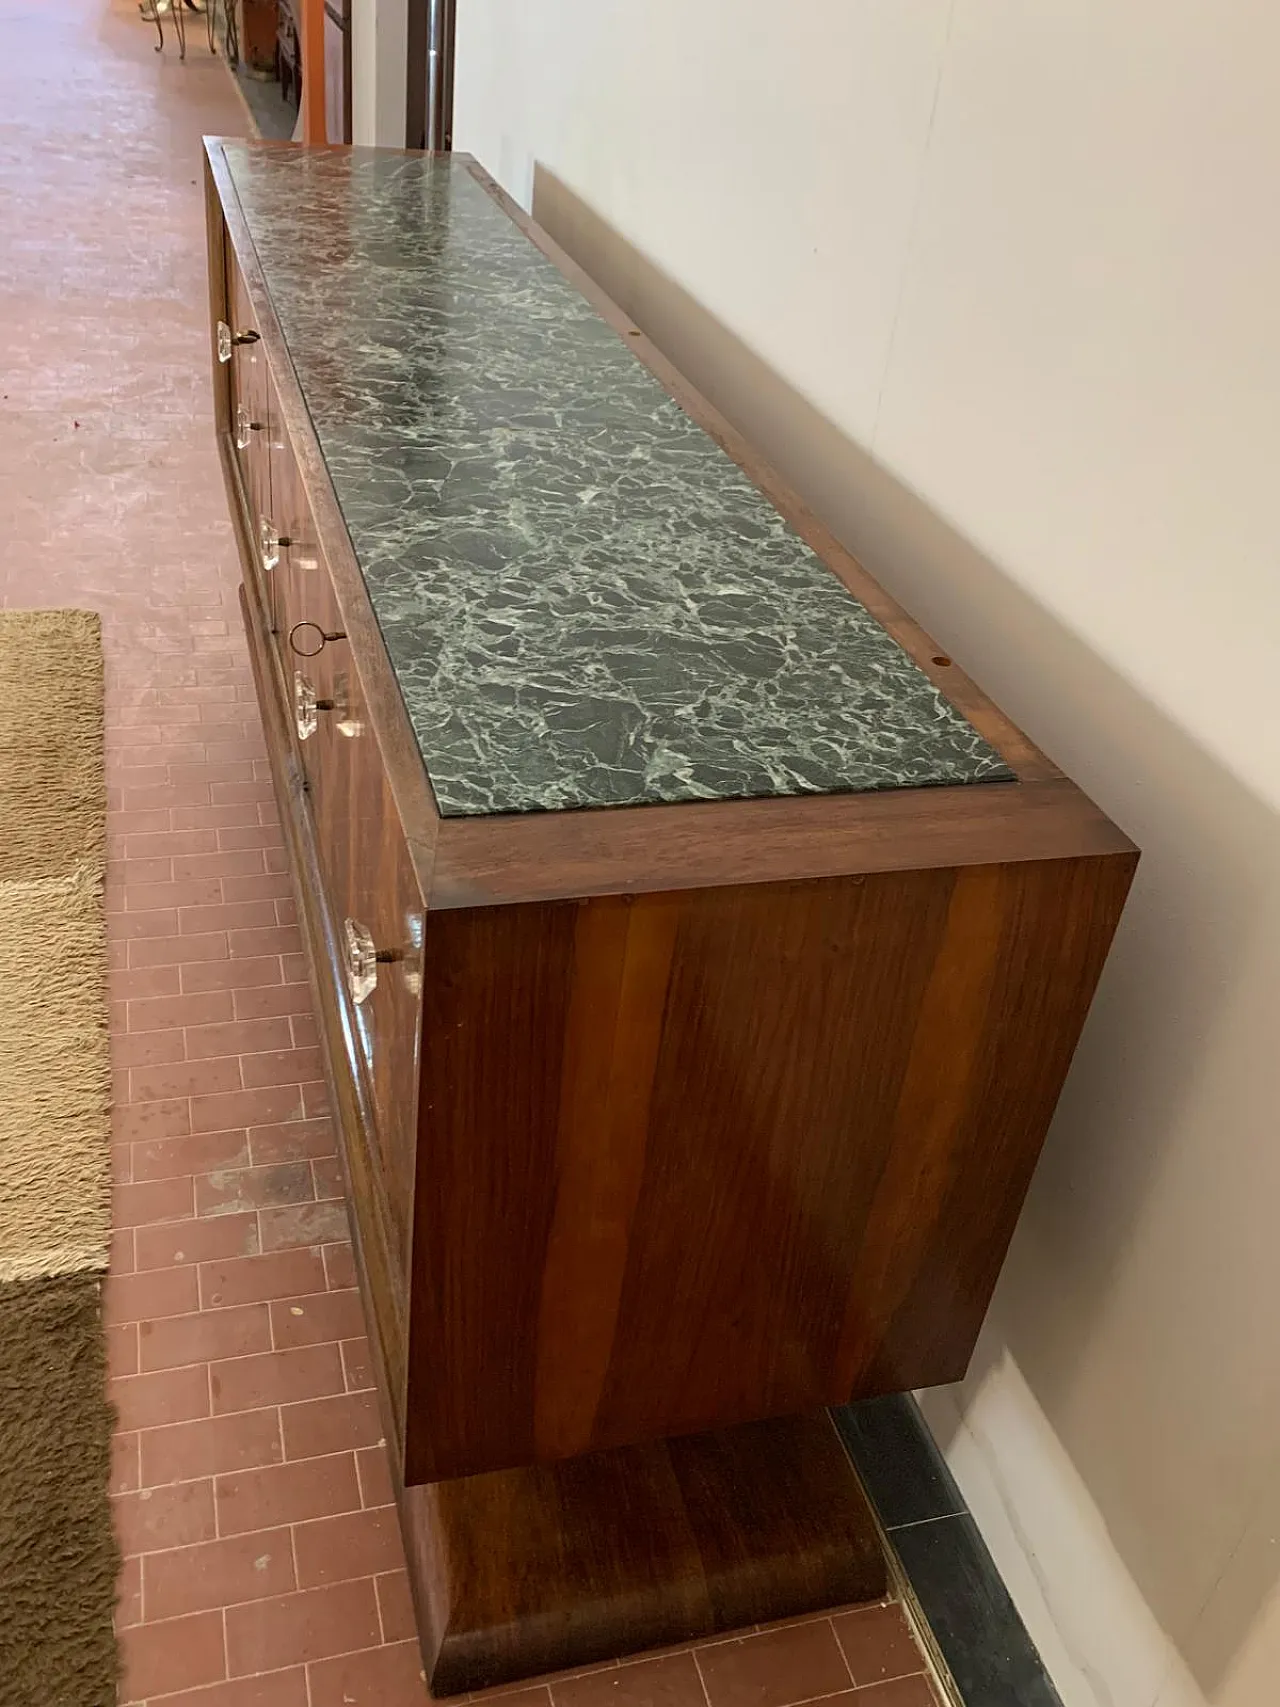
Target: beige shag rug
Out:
[58,1559]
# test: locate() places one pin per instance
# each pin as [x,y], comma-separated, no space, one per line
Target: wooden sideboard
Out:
[699,953]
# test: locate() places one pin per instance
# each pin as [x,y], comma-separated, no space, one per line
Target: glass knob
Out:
[362,960]
[411,969]
[306,706]
[227,339]
[270,542]
[244,427]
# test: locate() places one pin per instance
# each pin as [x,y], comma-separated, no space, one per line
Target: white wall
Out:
[379,30]
[996,285]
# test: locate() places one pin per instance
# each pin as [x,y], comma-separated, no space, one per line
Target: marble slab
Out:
[585,600]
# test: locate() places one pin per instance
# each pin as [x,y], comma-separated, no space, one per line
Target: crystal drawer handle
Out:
[270,542]
[227,340]
[245,428]
[306,706]
[363,959]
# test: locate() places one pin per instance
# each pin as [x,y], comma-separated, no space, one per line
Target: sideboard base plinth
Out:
[542,1569]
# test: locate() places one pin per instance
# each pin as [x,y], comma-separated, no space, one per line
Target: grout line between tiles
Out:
[920,1522]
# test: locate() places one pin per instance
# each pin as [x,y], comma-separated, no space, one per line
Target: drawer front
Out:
[252,425]
[370,888]
[376,906]
[287,542]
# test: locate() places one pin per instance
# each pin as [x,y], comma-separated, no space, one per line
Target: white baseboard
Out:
[1097,1637]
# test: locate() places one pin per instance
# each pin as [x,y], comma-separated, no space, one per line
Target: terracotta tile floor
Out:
[263,1565]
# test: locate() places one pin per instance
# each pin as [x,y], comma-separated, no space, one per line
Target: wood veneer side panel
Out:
[689,1160]
[406,774]
[623,954]
[495,1003]
[1009,994]
[787,1027]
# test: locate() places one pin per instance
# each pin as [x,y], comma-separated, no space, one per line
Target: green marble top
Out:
[586,602]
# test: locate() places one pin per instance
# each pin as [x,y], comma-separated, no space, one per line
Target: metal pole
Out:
[441,28]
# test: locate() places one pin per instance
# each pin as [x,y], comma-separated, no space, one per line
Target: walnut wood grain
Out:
[699,1156]
[532,1570]
[549,856]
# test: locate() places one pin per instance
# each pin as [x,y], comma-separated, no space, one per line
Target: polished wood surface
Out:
[680,1539]
[693,1157]
[537,857]
[663,1127]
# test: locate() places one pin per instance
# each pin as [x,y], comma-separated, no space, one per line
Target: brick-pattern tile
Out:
[232,1191]
[390,1676]
[796,1663]
[395,1606]
[156,1519]
[163,1396]
[317,1426]
[124,1475]
[122,1349]
[244,1280]
[357,1365]
[286,1493]
[357,1544]
[877,1643]
[915,1691]
[148,1296]
[205,1335]
[277,1378]
[269,1689]
[197,1241]
[375,1476]
[306,1224]
[129,1593]
[178,1653]
[340,1266]
[673,1680]
[181,1452]
[171,1158]
[315,1320]
[314,1624]
[218,1573]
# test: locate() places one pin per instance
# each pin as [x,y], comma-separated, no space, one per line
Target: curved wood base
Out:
[534,1570]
